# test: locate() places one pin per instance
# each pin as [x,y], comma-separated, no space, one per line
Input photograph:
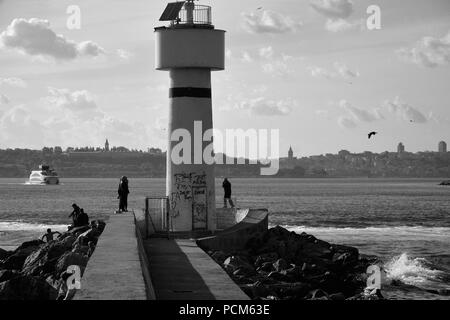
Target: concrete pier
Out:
[114,270]
[182,271]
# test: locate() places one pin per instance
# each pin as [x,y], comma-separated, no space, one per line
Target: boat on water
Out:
[45,175]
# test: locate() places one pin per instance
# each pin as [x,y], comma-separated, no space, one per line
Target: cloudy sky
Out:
[310,68]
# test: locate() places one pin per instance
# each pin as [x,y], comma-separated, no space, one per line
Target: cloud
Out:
[34,37]
[346,122]
[124,54]
[333,9]
[340,71]
[428,52]
[405,111]
[337,13]
[4,99]
[265,107]
[340,25]
[269,22]
[14,82]
[266,52]
[246,57]
[361,114]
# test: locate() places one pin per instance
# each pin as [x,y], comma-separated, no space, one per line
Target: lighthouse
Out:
[189,48]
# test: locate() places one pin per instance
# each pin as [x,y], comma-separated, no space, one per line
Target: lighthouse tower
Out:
[189,48]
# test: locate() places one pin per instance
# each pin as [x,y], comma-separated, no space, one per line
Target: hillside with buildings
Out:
[111,162]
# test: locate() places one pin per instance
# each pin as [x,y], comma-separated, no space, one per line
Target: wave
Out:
[397,231]
[411,271]
[6,226]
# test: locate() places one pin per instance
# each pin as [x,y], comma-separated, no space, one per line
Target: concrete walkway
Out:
[114,270]
[180,270]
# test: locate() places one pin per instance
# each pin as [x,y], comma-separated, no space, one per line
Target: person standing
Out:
[227,193]
[123,192]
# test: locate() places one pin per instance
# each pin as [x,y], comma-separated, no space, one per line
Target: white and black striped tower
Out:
[190,48]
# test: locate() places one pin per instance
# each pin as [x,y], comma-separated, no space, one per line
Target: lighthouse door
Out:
[199,208]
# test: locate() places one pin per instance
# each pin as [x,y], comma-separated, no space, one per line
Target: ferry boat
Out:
[45,175]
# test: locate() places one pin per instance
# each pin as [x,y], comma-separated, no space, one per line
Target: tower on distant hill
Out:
[400,148]
[290,153]
[107,145]
[442,147]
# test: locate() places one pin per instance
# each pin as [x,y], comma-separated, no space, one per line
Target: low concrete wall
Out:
[114,271]
[228,217]
[255,222]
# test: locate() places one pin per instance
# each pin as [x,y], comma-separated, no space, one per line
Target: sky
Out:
[310,68]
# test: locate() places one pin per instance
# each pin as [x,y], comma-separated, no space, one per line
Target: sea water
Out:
[405,222]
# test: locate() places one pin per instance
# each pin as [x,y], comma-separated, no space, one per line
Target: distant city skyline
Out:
[310,68]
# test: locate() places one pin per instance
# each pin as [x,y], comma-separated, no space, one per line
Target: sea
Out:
[404,222]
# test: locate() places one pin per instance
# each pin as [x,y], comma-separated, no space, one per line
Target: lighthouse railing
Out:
[201,14]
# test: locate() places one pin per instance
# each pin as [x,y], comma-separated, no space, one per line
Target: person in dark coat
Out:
[75,212]
[227,193]
[123,192]
[82,219]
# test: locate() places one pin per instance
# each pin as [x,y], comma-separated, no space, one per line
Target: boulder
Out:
[317,294]
[6,275]
[267,257]
[445,183]
[27,288]
[88,236]
[4,254]
[219,256]
[266,267]
[281,265]
[231,264]
[29,246]
[68,241]
[15,261]
[69,259]
[43,260]
[296,290]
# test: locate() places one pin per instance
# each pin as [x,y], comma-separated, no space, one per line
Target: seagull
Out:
[372,134]
[260,8]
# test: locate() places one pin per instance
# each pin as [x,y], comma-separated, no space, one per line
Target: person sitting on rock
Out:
[75,213]
[82,219]
[49,235]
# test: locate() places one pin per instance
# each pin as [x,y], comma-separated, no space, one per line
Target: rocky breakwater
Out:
[445,183]
[283,265]
[37,270]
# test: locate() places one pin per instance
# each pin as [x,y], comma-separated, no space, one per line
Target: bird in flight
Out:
[259,8]
[372,134]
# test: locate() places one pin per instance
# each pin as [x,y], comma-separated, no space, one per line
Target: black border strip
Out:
[190,92]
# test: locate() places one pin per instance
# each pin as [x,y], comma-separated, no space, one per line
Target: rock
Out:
[266,267]
[68,241]
[445,183]
[30,246]
[27,288]
[263,258]
[295,290]
[4,254]
[317,294]
[6,275]
[43,260]
[337,296]
[71,258]
[280,265]
[78,230]
[279,276]
[15,261]
[90,235]
[219,256]
[231,264]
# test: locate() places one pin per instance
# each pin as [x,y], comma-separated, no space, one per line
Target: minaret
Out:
[106,145]
[190,48]
[290,153]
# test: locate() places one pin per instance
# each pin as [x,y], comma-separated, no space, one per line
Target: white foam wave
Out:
[23,226]
[400,232]
[412,271]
